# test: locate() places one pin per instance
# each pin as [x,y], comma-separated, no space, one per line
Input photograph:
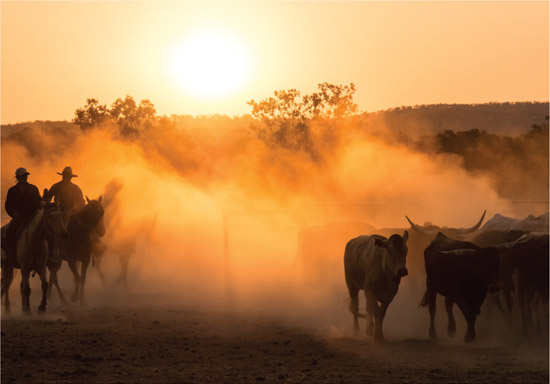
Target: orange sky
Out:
[55,55]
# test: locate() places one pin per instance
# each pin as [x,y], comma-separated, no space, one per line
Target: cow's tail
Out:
[424,301]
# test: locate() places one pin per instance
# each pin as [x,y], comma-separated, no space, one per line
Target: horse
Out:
[83,226]
[32,254]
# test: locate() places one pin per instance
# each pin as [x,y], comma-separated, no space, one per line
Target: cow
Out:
[529,256]
[463,273]
[374,264]
[496,238]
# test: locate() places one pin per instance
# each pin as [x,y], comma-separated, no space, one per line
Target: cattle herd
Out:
[503,257]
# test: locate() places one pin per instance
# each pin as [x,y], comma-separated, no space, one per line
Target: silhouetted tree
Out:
[129,116]
[288,117]
[91,114]
[126,113]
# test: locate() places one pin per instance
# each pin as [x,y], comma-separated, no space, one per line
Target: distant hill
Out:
[65,126]
[509,119]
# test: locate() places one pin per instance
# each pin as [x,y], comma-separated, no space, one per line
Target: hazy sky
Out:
[55,55]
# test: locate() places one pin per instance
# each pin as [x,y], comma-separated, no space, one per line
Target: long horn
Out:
[418,228]
[460,252]
[522,240]
[464,231]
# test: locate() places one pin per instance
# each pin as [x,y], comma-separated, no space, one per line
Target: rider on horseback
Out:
[68,195]
[22,203]
[70,199]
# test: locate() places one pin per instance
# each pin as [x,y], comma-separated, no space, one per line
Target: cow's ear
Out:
[406,236]
[379,243]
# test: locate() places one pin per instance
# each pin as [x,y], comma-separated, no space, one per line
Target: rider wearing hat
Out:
[68,195]
[22,202]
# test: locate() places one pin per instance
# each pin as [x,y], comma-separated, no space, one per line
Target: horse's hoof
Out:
[27,312]
[41,309]
[469,337]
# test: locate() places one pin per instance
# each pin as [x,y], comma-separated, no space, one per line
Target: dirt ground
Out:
[162,343]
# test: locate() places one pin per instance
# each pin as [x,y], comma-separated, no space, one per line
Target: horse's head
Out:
[54,220]
[95,212]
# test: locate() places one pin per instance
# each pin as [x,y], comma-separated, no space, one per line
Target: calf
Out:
[374,264]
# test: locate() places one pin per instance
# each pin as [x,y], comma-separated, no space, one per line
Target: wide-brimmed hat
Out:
[67,171]
[21,171]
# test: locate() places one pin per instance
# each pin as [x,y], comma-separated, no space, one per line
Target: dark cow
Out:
[529,256]
[374,264]
[463,273]
[495,238]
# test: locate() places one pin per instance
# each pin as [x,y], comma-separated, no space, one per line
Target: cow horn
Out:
[460,252]
[418,228]
[464,231]
[522,240]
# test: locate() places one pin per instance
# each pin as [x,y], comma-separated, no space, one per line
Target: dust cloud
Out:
[210,216]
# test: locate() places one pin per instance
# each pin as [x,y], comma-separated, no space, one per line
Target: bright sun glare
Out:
[210,64]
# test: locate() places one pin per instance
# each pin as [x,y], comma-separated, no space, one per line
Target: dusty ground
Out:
[171,344]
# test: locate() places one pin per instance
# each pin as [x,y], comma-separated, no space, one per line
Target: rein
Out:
[80,222]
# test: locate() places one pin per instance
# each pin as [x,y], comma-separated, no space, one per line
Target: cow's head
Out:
[396,257]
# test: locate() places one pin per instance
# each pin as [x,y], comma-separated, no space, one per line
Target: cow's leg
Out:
[7,278]
[354,307]
[470,316]
[430,298]
[371,308]
[83,268]
[529,294]
[25,291]
[74,270]
[44,280]
[451,329]
[509,301]
[379,315]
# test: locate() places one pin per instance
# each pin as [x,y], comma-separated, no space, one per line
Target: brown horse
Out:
[32,254]
[77,247]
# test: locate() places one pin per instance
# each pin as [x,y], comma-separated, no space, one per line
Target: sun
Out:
[210,63]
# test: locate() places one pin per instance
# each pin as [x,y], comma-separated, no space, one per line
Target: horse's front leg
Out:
[74,270]
[44,280]
[55,282]
[25,291]
[7,278]
[83,269]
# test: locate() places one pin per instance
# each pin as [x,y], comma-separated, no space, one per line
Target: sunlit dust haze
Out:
[210,214]
[205,226]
